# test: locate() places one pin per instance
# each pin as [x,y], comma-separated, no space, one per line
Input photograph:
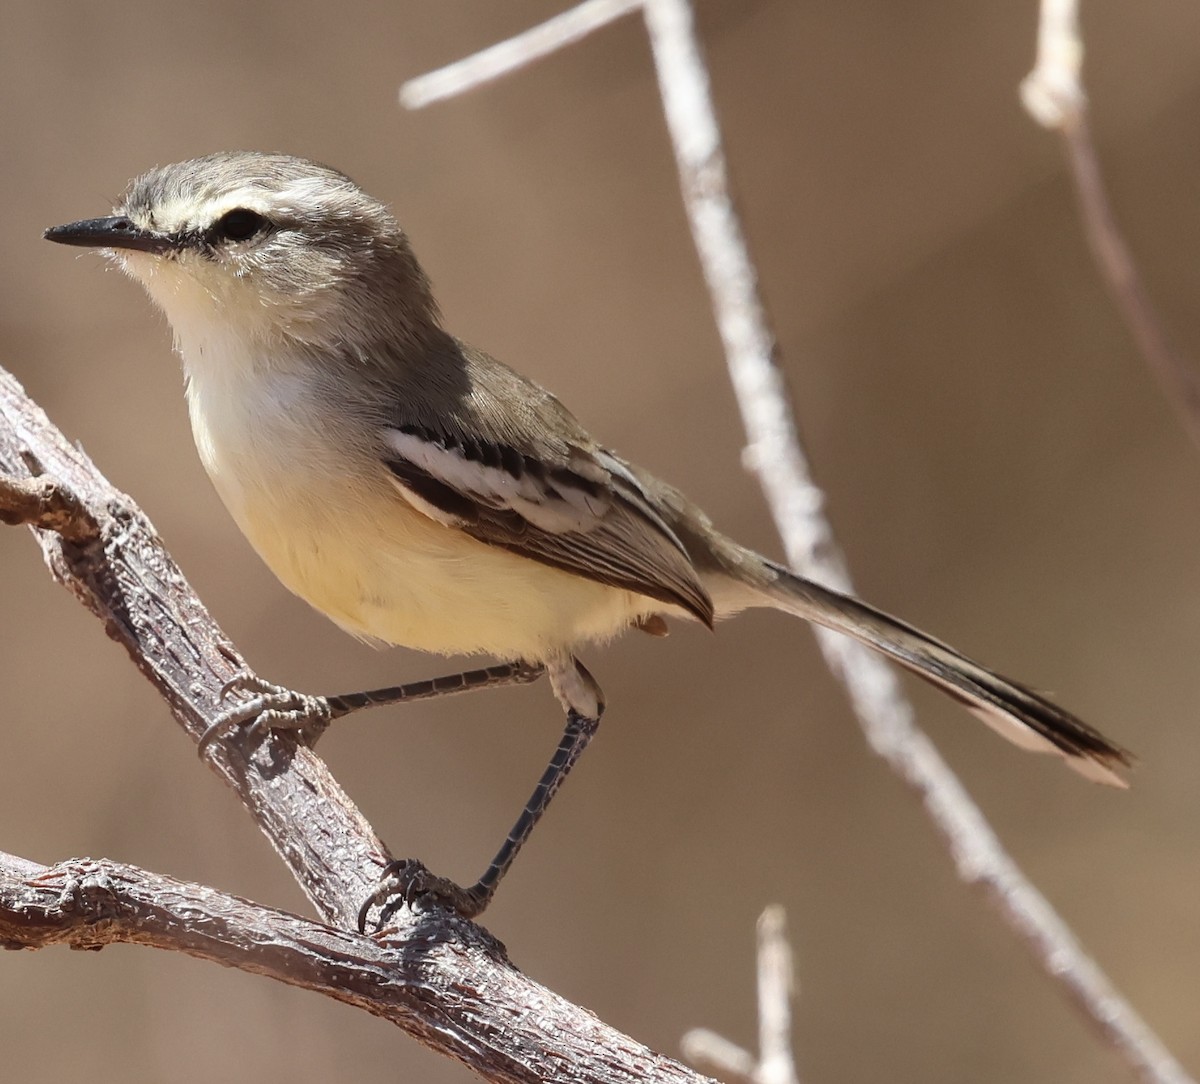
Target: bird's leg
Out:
[488,677]
[409,880]
[274,707]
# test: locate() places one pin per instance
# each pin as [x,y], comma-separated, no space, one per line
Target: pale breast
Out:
[336,532]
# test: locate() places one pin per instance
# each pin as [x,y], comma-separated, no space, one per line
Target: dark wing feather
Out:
[509,466]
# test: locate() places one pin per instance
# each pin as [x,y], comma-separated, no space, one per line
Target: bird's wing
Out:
[509,466]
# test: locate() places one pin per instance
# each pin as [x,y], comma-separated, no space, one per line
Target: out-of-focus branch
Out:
[774,1064]
[1053,94]
[775,454]
[508,56]
[776,988]
[446,981]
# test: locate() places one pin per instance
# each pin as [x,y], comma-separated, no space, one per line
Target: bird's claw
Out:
[249,682]
[408,881]
[269,707]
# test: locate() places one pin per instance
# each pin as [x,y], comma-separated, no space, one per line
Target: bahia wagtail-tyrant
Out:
[419,492]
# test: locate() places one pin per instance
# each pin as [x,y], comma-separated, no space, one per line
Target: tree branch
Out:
[123,574]
[451,993]
[443,979]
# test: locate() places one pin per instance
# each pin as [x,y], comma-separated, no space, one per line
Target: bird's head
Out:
[264,247]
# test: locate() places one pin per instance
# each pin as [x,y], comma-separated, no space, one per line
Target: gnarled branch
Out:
[445,981]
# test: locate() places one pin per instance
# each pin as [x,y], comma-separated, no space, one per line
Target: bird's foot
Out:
[408,881]
[268,707]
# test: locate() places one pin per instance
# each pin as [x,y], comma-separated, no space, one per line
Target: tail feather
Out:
[1021,715]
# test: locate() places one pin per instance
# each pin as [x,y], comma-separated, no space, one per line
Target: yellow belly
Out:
[365,557]
[399,577]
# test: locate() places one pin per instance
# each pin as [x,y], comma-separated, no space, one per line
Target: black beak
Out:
[115,232]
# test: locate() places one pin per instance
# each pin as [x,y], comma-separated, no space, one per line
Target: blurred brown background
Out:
[997,463]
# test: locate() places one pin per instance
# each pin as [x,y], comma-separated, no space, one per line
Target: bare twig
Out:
[508,56]
[774,453]
[728,1060]
[444,980]
[1053,94]
[774,1064]
[776,988]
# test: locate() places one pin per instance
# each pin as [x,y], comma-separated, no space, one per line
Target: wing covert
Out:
[586,514]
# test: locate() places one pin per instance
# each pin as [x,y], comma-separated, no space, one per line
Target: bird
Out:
[418,492]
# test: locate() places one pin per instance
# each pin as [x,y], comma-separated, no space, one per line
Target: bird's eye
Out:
[239,224]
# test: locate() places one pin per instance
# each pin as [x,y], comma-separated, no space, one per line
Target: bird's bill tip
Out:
[117,232]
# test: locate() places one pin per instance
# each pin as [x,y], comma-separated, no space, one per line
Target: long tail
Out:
[1019,714]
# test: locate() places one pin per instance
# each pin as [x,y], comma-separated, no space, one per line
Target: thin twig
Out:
[776,988]
[1053,94]
[775,1063]
[701,1046]
[507,56]
[774,453]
